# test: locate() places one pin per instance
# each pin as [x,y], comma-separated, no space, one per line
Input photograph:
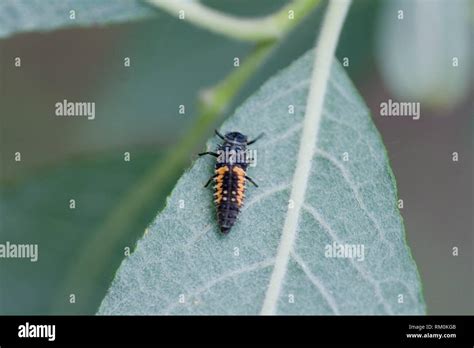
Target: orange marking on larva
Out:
[218,196]
[239,171]
[219,183]
[222,170]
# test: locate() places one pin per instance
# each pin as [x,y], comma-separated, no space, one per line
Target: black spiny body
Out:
[230,177]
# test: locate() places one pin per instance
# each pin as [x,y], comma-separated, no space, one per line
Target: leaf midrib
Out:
[320,75]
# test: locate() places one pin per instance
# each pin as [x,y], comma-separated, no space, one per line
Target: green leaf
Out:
[426,56]
[17,16]
[36,210]
[43,15]
[183,256]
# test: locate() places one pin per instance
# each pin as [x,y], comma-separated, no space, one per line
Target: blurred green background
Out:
[172,62]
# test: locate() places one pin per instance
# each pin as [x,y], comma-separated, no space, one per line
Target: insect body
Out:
[230,177]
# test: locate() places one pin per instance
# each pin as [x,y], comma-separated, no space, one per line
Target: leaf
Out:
[427,55]
[183,256]
[35,210]
[17,16]
[43,15]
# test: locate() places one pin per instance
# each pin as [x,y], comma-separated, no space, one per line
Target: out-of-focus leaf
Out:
[417,53]
[18,16]
[36,210]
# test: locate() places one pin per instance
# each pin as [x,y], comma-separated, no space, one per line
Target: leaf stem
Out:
[266,28]
[215,100]
[324,55]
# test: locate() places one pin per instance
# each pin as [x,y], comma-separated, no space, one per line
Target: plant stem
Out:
[323,59]
[214,101]
[300,10]
[266,28]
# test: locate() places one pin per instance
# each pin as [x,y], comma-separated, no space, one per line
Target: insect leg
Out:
[209,153]
[250,179]
[258,137]
[219,134]
[210,179]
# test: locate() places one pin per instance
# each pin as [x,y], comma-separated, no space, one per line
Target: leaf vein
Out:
[348,178]
[229,275]
[316,282]
[316,216]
